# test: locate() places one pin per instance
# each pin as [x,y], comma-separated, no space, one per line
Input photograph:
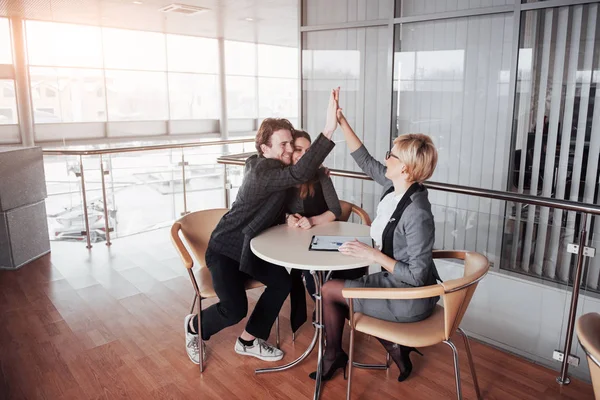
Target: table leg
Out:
[317,335]
[318,275]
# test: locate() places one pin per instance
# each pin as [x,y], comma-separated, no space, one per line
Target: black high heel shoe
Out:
[405,355]
[341,361]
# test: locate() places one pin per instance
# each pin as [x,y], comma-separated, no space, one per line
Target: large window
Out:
[92,74]
[67,95]
[8,98]
[67,81]
[115,82]
[5,47]
[262,81]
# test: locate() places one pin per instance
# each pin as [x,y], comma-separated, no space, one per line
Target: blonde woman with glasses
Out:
[404,233]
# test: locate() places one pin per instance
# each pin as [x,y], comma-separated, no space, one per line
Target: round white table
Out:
[288,247]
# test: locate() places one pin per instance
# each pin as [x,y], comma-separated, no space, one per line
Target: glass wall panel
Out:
[451,81]
[137,96]
[67,95]
[355,60]
[63,45]
[318,12]
[8,102]
[5,42]
[193,96]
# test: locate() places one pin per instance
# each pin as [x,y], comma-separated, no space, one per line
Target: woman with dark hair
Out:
[314,203]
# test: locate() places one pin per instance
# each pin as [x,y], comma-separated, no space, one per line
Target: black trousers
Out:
[229,283]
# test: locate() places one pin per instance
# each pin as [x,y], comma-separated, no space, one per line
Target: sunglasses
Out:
[389,154]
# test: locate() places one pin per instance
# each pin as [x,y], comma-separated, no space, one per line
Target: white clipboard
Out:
[333,243]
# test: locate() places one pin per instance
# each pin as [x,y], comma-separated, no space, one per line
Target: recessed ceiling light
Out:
[249,19]
[137,2]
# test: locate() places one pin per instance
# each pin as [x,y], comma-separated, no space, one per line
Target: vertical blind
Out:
[557,135]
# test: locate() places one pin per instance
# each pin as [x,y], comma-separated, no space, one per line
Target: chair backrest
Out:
[458,292]
[588,332]
[196,228]
[349,208]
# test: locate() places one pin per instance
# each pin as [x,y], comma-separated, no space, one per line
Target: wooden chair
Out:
[439,327]
[196,228]
[348,209]
[588,332]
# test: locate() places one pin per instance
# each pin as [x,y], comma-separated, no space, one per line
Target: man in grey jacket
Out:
[258,206]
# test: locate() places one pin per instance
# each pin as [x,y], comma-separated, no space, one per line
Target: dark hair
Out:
[308,188]
[267,127]
[296,134]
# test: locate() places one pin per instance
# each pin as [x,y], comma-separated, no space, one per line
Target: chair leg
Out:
[202,345]
[384,366]
[471,364]
[277,331]
[456,368]
[350,362]
[193,304]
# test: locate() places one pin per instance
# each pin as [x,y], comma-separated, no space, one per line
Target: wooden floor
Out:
[107,324]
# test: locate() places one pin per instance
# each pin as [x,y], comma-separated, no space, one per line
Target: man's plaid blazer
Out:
[260,201]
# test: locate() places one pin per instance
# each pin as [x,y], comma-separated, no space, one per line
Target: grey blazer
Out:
[414,236]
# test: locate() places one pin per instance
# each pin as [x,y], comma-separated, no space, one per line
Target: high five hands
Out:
[333,108]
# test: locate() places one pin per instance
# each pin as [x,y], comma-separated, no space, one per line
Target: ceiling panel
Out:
[273,21]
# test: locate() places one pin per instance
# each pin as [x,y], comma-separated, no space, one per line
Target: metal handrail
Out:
[584,208]
[130,149]
[235,159]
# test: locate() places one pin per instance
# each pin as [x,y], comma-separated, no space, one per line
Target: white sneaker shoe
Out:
[191,342]
[261,350]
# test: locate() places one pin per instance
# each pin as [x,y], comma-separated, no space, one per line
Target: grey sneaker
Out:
[191,342]
[261,350]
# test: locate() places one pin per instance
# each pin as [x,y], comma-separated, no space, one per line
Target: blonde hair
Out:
[417,152]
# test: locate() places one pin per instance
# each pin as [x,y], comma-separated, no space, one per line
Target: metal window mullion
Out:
[504,142]
[523,117]
[550,159]
[541,4]
[450,35]
[587,71]
[469,102]
[461,39]
[440,199]
[490,130]
[591,176]
[472,12]
[490,234]
[557,231]
[541,108]
[344,25]
[361,41]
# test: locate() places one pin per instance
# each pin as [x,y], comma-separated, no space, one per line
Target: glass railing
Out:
[129,190]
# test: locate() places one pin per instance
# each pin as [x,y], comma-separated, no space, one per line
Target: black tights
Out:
[335,312]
